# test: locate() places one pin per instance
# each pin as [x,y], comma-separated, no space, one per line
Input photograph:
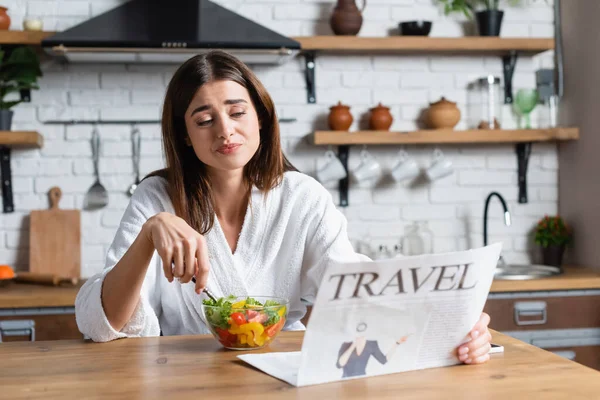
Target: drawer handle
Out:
[18,327]
[569,355]
[530,309]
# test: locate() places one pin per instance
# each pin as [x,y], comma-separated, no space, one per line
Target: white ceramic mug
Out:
[440,167]
[330,168]
[368,168]
[405,168]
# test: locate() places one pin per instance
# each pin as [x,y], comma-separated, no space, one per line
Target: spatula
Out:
[97,196]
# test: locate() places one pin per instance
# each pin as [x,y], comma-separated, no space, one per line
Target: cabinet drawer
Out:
[585,355]
[48,327]
[565,312]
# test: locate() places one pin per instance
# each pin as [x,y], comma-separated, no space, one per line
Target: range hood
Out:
[169,31]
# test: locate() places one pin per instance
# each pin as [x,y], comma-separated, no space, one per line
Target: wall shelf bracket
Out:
[6,176]
[523,153]
[343,152]
[309,71]
[509,63]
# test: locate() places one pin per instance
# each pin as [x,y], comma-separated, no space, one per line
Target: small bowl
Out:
[415,28]
[239,325]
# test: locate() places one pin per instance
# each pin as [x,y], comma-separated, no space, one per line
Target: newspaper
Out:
[388,316]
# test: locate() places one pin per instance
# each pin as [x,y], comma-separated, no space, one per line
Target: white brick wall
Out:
[453,206]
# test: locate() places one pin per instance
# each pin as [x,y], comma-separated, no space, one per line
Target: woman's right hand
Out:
[182,249]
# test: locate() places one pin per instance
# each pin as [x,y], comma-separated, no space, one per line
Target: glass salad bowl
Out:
[245,323]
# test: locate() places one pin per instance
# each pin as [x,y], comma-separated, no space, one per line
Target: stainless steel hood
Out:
[162,31]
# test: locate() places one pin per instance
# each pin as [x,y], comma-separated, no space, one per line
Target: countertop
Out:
[25,295]
[190,367]
[573,278]
[20,295]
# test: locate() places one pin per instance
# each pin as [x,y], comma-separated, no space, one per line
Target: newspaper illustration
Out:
[388,316]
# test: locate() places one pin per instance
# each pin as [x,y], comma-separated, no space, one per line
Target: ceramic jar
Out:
[33,24]
[339,118]
[4,19]
[442,114]
[381,119]
[346,18]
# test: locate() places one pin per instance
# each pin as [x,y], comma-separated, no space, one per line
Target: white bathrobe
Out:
[288,238]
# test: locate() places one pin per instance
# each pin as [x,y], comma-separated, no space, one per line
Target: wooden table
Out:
[196,367]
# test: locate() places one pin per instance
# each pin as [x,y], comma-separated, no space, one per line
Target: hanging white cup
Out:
[440,167]
[330,168]
[405,168]
[368,169]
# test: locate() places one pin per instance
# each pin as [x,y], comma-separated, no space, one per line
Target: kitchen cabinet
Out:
[50,324]
[51,309]
[566,322]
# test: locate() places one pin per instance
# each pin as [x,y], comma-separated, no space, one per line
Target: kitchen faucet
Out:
[485,213]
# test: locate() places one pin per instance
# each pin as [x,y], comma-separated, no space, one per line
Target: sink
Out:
[522,272]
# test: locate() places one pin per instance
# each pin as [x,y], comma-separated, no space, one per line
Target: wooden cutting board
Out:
[55,240]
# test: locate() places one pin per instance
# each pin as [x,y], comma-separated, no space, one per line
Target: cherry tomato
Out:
[238,318]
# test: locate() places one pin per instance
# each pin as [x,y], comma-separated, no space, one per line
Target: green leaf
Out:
[253,302]
[9,104]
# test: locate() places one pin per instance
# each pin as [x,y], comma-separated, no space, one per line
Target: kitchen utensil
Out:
[135,151]
[45,279]
[415,28]
[97,196]
[55,240]
[208,293]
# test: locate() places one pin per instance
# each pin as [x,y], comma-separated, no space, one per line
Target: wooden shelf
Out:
[445,136]
[21,139]
[396,44]
[23,37]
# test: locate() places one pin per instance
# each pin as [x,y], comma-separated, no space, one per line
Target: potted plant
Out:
[486,12]
[19,70]
[553,234]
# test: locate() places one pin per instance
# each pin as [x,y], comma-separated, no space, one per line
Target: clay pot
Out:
[381,119]
[339,118]
[4,19]
[442,114]
[346,18]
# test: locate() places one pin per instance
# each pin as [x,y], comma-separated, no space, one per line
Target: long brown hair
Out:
[188,182]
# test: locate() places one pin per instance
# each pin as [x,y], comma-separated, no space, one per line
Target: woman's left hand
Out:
[476,350]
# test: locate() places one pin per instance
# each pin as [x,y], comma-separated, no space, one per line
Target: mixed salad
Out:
[245,323]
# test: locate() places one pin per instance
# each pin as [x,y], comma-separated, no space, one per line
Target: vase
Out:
[6,120]
[4,19]
[442,114]
[489,22]
[381,119]
[346,18]
[553,255]
[340,117]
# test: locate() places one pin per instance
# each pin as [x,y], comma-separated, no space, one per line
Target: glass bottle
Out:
[427,236]
[412,242]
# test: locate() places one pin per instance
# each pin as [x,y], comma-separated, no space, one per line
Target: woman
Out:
[229,209]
